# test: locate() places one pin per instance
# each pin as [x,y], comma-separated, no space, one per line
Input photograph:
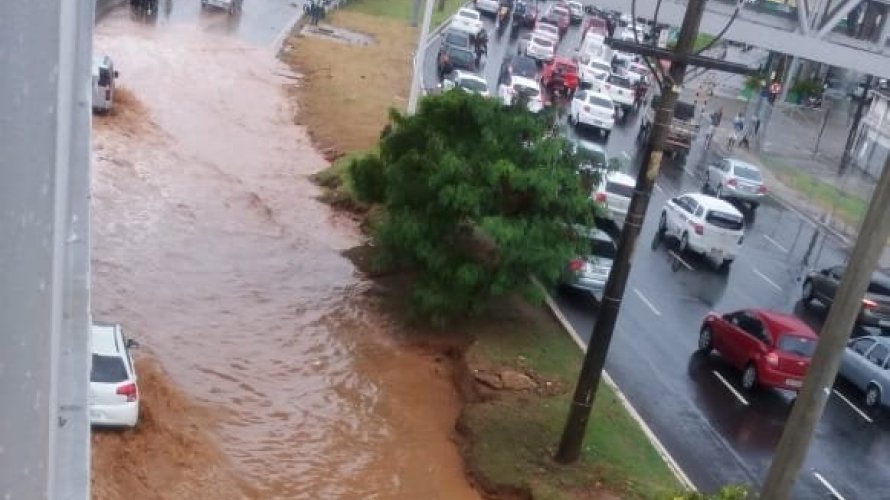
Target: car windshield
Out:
[525,66]
[473,84]
[547,28]
[459,39]
[746,172]
[725,220]
[619,80]
[599,101]
[525,91]
[593,158]
[797,345]
[602,249]
[467,14]
[601,66]
[543,42]
[462,57]
[108,369]
[619,189]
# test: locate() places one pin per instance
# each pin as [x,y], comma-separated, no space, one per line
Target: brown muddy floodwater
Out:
[210,248]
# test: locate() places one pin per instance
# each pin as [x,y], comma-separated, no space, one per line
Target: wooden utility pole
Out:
[598,347]
[810,403]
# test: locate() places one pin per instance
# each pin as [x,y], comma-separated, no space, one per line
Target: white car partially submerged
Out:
[704,224]
[520,87]
[466,81]
[114,393]
[467,20]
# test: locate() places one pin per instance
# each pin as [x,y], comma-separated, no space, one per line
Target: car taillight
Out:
[869,305]
[576,265]
[600,197]
[772,359]
[732,182]
[761,189]
[698,228]
[128,390]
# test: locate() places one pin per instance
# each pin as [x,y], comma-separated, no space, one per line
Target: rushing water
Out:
[210,248]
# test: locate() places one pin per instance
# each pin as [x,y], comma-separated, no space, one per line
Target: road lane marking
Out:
[765,278]
[828,485]
[855,408]
[732,389]
[776,243]
[680,260]
[646,301]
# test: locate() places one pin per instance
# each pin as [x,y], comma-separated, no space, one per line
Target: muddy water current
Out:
[210,248]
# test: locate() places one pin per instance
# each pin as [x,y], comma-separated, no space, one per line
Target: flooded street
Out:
[211,250]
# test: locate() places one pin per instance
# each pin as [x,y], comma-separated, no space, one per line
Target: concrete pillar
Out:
[789,80]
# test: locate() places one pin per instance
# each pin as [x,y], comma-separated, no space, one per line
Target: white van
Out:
[104,76]
[594,47]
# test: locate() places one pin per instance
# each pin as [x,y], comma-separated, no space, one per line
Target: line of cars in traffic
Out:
[769,348]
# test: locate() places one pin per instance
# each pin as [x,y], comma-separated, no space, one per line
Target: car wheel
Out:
[684,241]
[754,205]
[749,377]
[807,292]
[662,224]
[872,396]
[606,133]
[705,340]
[725,266]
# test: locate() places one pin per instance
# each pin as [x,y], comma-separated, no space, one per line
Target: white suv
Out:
[593,109]
[705,225]
[114,393]
[614,193]
[525,87]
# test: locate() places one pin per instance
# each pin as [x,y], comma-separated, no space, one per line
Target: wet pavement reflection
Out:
[209,246]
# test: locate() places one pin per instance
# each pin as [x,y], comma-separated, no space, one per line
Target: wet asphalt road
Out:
[717,437]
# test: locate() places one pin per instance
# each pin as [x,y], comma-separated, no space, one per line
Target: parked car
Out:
[822,286]
[866,365]
[519,65]
[620,90]
[466,81]
[104,76]
[772,349]
[705,225]
[540,47]
[114,392]
[613,194]
[589,272]
[467,20]
[522,87]
[561,74]
[593,109]
[487,6]
[576,11]
[734,179]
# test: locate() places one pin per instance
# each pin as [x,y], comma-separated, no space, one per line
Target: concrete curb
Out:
[656,443]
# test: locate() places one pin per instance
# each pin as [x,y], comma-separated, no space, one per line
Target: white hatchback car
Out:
[593,109]
[525,87]
[468,21]
[488,6]
[114,393]
[594,73]
[614,193]
[540,48]
[705,225]
[547,30]
[466,81]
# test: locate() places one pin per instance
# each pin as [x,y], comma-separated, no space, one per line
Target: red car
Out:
[772,349]
[560,74]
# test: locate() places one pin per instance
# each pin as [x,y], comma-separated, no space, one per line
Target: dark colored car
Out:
[519,65]
[822,286]
[457,38]
[452,58]
[772,349]
[525,14]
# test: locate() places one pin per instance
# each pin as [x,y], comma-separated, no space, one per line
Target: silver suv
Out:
[589,273]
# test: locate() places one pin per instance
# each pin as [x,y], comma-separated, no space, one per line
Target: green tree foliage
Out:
[477,197]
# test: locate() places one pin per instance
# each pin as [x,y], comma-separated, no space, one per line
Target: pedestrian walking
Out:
[756,120]
[738,127]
